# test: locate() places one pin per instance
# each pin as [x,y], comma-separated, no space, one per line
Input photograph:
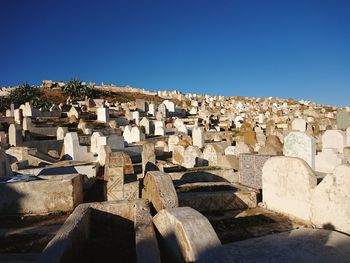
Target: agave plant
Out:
[75,89]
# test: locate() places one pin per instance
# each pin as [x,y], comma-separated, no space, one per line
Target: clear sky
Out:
[282,48]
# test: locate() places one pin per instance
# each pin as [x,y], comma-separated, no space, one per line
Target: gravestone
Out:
[299,125]
[250,169]
[15,135]
[193,157]
[102,115]
[343,120]
[148,158]
[302,145]
[198,136]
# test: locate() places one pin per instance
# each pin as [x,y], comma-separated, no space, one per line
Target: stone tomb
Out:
[128,225]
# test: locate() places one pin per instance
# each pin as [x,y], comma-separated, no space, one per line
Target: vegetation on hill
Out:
[77,90]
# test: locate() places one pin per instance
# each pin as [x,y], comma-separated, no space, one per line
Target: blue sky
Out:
[298,49]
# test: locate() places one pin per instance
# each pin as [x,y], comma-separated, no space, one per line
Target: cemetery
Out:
[165,176]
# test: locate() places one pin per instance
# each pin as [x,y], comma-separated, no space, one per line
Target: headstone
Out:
[114,175]
[159,190]
[212,153]
[15,135]
[187,235]
[193,157]
[116,142]
[5,168]
[287,184]
[343,120]
[299,125]
[148,158]
[73,150]
[102,115]
[334,139]
[61,132]
[302,145]
[198,136]
[250,169]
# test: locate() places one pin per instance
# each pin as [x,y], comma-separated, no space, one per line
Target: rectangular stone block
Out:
[250,169]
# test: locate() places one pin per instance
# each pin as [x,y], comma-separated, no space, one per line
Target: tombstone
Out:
[287,184]
[302,145]
[328,159]
[212,153]
[116,142]
[193,157]
[172,141]
[136,134]
[242,147]
[159,190]
[250,169]
[73,150]
[178,154]
[102,115]
[160,148]
[61,132]
[230,150]
[114,175]
[12,110]
[343,120]
[159,131]
[274,142]
[334,139]
[163,110]
[198,136]
[249,138]
[96,143]
[330,200]
[187,235]
[299,125]
[15,135]
[182,129]
[136,117]
[141,105]
[127,134]
[18,116]
[348,136]
[148,158]
[27,124]
[146,123]
[169,105]
[73,112]
[5,168]
[152,109]
[113,124]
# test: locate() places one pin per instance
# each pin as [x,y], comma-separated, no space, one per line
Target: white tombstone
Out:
[230,150]
[127,134]
[287,185]
[146,123]
[136,117]
[299,125]
[27,124]
[18,115]
[198,136]
[152,109]
[73,150]
[15,135]
[159,131]
[136,134]
[95,143]
[102,115]
[183,129]
[327,160]
[334,139]
[302,145]
[169,105]
[192,157]
[61,132]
